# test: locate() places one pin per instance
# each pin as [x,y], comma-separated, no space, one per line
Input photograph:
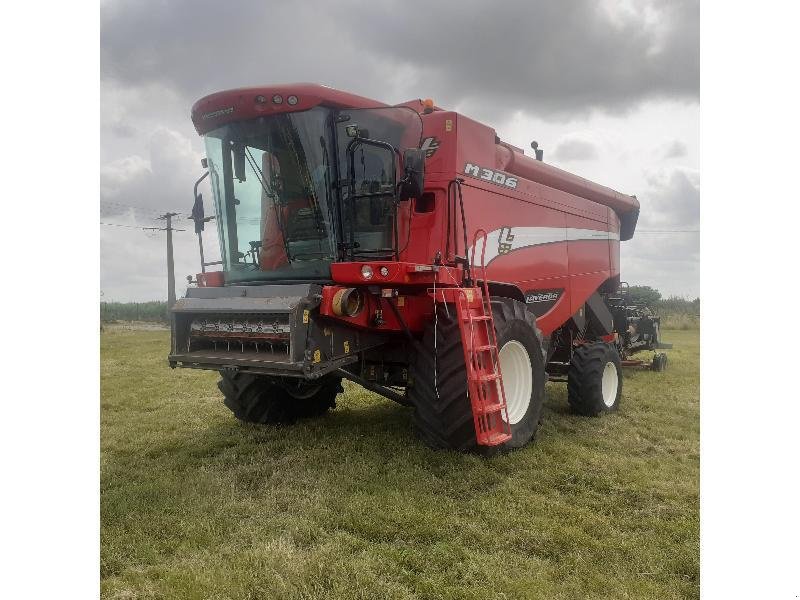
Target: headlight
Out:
[366,272]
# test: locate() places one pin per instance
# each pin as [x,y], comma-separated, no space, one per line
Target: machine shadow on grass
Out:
[379,432]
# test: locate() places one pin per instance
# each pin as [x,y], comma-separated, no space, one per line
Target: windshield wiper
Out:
[327,179]
[271,194]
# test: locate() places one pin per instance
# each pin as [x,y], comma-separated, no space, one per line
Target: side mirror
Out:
[198,214]
[413,183]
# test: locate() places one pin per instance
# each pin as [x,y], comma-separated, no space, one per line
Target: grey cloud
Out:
[547,57]
[679,277]
[575,148]
[133,263]
[161,182]
[669,261]
[672,200]
[673,149]
[199,46]
[538,56]
[488,60]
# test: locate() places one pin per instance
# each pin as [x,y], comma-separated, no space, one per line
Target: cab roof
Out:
[250,102]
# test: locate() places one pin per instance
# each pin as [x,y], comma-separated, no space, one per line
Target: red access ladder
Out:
[484,379]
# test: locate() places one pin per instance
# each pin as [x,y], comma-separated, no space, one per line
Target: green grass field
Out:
[196,505]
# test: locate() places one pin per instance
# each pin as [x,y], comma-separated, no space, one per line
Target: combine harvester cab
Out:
[408,249]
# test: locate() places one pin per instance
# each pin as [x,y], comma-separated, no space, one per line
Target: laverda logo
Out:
[541,297]
[217,113]
[496,177]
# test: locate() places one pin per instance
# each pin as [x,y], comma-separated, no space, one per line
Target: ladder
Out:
[481,358]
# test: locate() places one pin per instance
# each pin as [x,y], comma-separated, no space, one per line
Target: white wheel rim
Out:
[515,366]
[610,384]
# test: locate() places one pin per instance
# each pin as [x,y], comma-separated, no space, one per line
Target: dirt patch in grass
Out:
[351,505]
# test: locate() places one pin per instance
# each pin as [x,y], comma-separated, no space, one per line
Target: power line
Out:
[111,203]
[167,216]
[151,212]
[138,227]
[119,225]
[667,231]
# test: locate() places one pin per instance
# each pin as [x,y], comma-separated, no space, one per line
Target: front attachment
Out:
[264,330]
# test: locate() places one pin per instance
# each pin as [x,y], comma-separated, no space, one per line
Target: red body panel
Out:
[560,241]
[548,230]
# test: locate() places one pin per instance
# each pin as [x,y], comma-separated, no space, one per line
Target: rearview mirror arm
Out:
[198,216]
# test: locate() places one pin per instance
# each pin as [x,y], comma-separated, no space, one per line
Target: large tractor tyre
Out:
[594,383]
[444,420]
[267,400]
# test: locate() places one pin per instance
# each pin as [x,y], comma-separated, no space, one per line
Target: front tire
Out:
[269,400]
[443,412]
[594,383]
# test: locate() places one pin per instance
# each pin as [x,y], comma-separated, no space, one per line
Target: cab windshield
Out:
[271,178]
[291,198]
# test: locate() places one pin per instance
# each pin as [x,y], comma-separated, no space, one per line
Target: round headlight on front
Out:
[291,100]
[366,272]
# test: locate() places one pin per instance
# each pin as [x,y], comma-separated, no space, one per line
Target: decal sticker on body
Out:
[541,301]
[430,145]
[217,113]
[490,175]
[508,239]
[542,296]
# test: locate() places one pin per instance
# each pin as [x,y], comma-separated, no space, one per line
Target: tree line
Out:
[672,305]
[133,311]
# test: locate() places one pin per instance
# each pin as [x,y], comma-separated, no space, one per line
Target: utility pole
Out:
[170,261]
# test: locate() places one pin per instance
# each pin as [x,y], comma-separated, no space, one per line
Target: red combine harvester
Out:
[410,250]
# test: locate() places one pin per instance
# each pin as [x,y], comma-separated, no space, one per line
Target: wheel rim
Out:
[610,384]
[515,365]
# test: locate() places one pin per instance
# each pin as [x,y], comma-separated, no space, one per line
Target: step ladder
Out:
[484,379]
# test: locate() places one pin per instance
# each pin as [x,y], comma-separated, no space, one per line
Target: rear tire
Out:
[445,421]
[269,400]
[594,383]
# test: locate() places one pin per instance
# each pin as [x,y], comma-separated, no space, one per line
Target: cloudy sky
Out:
[609,89]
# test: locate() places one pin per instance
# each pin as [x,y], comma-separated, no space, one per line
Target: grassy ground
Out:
[197,505]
